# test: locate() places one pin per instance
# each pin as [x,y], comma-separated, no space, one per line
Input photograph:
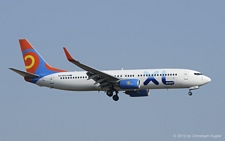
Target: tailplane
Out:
[25,74]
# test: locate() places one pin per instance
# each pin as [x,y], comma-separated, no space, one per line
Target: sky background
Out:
[113,35]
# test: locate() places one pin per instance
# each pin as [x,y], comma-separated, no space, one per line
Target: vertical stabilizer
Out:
[33,61]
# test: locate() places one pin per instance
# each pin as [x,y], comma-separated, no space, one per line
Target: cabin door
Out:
[186,75]
[52,79]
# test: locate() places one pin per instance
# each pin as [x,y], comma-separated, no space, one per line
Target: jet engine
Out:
[138,93]
[129,84]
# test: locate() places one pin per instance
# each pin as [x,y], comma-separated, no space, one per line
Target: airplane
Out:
[135,83]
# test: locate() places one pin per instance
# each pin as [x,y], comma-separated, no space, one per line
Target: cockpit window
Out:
[197,73]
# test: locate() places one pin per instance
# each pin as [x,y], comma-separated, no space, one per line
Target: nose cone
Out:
[207,79]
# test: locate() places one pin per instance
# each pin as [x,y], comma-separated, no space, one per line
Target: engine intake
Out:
[129,84]
[137,93]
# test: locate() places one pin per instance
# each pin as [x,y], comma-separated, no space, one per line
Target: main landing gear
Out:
[114,97]
[109,93]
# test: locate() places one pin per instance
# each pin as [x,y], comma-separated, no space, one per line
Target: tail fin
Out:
[34,63]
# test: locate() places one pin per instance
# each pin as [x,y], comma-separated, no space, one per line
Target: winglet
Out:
[68,56]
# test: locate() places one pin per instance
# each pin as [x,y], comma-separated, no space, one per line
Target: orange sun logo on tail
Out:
[31,61]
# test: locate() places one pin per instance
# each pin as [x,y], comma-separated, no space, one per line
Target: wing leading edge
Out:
[100,77]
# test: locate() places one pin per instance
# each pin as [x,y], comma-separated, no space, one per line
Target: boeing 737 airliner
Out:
[135,83]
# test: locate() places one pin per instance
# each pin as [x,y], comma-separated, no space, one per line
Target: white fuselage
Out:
[78,81]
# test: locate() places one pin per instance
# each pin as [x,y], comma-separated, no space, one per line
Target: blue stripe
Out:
[29,50]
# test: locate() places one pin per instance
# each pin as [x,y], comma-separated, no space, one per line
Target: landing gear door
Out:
[186,75]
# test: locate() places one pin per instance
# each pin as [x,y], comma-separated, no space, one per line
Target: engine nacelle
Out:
[129,84]
[137,93]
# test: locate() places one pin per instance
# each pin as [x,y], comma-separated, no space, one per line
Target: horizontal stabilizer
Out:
[24,74]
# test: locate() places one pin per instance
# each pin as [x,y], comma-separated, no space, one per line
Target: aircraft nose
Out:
[207,79]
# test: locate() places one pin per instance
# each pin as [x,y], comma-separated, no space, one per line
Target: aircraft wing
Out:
[24,74]
[100,77]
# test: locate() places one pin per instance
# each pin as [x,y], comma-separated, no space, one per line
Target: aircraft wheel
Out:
[115,97]
[190,93]
[109,93]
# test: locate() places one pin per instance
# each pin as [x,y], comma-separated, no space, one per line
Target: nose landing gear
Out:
[192,88]
[190,93]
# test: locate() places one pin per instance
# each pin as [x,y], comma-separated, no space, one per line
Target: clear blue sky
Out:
[113,35]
